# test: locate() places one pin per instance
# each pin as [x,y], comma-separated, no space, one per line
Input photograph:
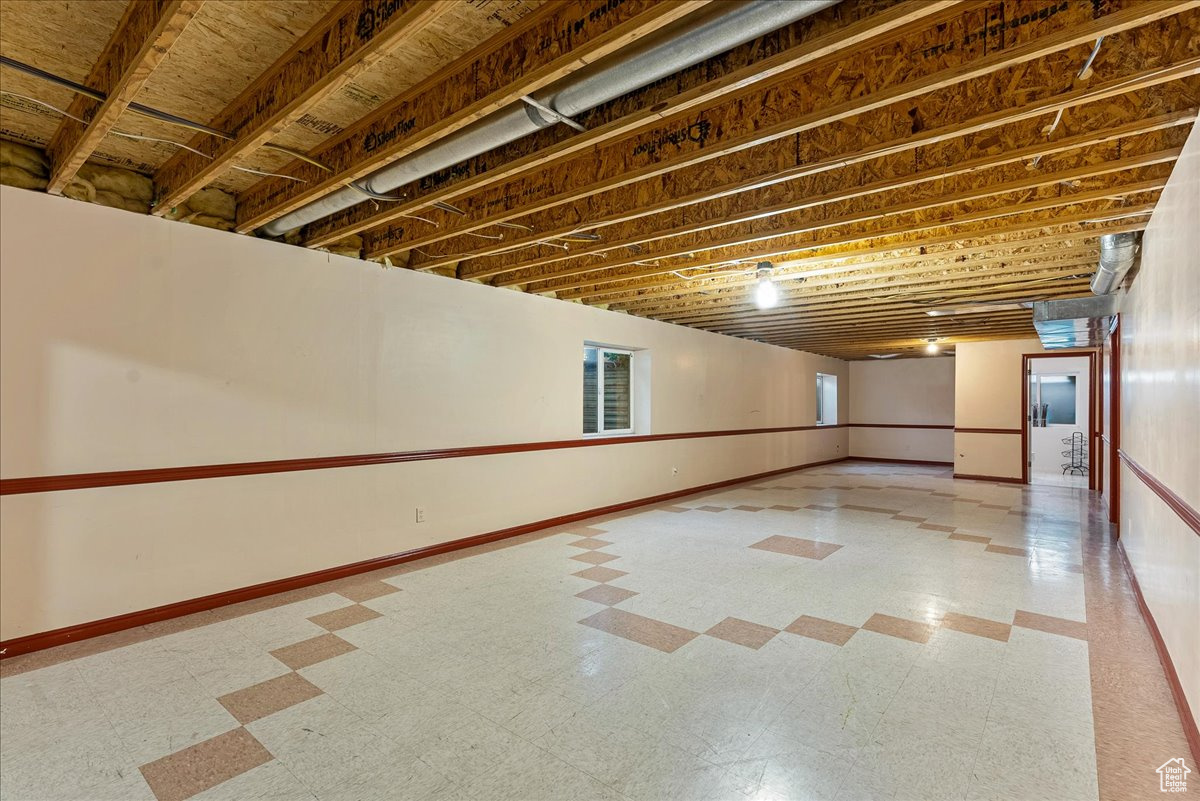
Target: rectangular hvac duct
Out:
[1075,323]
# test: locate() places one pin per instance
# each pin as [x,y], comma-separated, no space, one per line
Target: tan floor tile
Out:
[994,506]
[818,507]
[749,508]
[268,697]
[367,590]
[586,531]
[710,509]
[816,628]
[795,546]
[310,652]
[909,518]
[784,508]
[899,627]
[595,557]
[1005,549]
[1051,624]
[606,594]
[185,773]
[970,538]
[979,626]
[675,509]
[600,573]
[590,543]
[644,630]
[937,527]
[346,616]
[875,509]
[742,632]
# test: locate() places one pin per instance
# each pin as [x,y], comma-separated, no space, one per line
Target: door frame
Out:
[1093,429]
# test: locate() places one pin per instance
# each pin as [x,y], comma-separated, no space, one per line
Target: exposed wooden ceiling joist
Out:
[348,41]
[813,308]
[864,200]
[142,39]
[543,48]
[718,301]
[1041,232]
[818,38]
[834,271]
[1038,205]
[854,84]
[637,240]
[965,134]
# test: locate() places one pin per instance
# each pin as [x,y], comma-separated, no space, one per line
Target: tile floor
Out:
[854,631]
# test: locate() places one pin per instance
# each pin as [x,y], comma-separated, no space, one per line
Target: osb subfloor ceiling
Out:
[890,158]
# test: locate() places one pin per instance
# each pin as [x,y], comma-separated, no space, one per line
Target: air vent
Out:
[1075,323]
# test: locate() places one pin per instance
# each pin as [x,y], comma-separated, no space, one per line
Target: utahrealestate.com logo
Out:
[1172,776]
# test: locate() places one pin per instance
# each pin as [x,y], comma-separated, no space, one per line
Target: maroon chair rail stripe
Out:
[117,478]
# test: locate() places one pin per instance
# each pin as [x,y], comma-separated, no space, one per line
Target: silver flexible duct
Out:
[1117,252]
[689,41]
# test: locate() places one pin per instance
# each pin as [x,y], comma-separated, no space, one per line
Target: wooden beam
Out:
[756,62]
[140,42]
[840,269]
[722,299]
[1036,230]
[844,301]
[795,205]
[560,38]
[850,324]
[846,87]
[350,39]
[617,215]
[1145,173]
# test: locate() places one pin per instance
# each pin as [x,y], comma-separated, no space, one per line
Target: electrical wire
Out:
[1083,74]
[144,138]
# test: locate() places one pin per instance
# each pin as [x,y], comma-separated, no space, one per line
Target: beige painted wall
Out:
[1160,415]
[135,342]
[903,392]
[987,394]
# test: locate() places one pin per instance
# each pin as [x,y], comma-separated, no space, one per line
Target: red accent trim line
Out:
[899,461]
[1178,505]
[1114,415]
[1190,730]
[898,425]
[117,478]
[987,431]
[1002,479]
[96,628]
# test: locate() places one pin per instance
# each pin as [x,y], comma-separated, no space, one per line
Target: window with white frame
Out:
[607,390]
[826,399]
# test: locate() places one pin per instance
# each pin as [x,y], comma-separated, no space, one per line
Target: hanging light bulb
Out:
[766,294]
[932,348]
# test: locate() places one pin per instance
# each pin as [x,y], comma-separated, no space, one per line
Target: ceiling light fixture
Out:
[932,348]
[766,294]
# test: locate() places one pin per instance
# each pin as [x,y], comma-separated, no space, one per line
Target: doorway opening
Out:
[1058,420]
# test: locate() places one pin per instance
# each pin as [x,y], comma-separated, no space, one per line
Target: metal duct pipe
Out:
[679,46]
[1116,257]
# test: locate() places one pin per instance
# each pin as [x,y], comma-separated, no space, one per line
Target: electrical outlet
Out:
[420,515]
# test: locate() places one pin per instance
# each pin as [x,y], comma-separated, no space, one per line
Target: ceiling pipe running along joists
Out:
[1117,252]
[688,42]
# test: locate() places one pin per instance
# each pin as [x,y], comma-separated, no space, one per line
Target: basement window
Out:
[826,399]
[607,390]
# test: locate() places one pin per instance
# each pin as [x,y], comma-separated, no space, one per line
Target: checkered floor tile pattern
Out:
[854,631]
